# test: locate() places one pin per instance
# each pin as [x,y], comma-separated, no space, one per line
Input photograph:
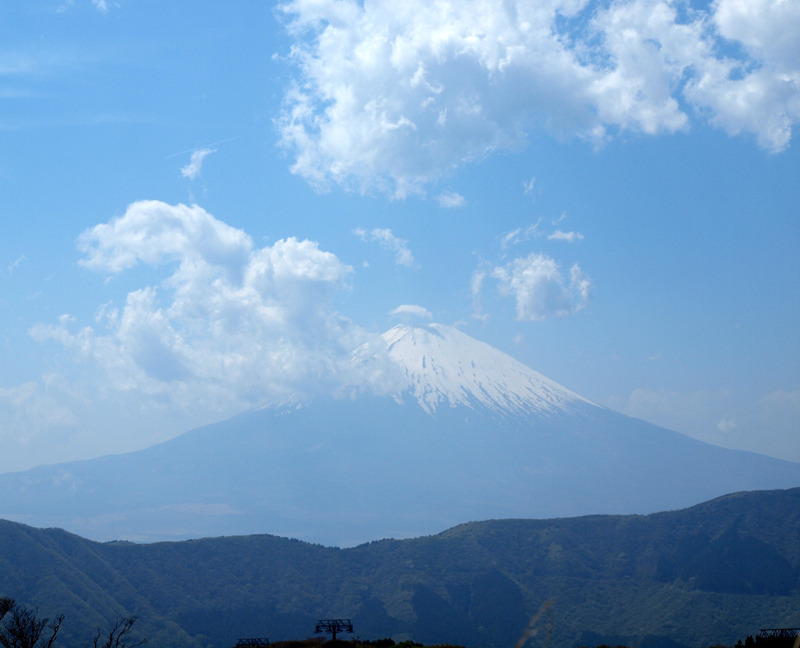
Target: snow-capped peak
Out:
[444,366]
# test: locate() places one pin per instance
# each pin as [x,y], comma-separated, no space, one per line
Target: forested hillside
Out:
[713,573]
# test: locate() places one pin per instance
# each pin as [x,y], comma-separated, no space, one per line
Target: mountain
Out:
[710,574]
[463,433]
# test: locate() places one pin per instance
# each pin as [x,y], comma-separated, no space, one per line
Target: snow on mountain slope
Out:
[444,366]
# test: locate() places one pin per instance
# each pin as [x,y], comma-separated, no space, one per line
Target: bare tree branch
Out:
[22,628]
[117,636]
[5,605]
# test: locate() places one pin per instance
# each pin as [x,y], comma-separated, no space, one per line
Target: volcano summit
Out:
[464,433]
[444,367]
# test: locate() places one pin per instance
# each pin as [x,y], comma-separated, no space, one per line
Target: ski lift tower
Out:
[333,626]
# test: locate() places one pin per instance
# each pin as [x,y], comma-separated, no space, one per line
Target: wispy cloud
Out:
[434,86]
[765,423]
[388,241]
[450,200]
[520,235]
[15,264]
[536,230]
[529,186]
[476,285]
[569,237]
[195,166]
[29,409]
[100,5]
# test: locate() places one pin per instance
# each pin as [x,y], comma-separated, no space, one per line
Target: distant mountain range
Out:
[710,574]
[463,432]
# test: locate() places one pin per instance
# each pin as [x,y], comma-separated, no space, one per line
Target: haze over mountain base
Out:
[474,435]
[342,472]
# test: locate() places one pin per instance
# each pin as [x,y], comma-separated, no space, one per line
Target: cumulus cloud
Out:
[388,241]
[195,166]
[153,232]
[540,289]
[231,324]
[394,96]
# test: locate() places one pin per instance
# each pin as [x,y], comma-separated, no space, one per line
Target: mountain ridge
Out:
[669,579]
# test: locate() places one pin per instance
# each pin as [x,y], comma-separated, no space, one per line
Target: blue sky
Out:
[205,207]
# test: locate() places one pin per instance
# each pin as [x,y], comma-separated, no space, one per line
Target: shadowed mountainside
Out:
[712,573]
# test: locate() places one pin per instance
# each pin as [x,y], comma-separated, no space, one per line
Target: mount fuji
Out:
[464,432]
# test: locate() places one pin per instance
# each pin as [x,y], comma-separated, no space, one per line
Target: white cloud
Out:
[195,166]
[569,237]
[394,96]
[760,96]
[580,287]
[154,232]
[412,310]
[229,326]
[388,241]
[539,288]
[449,200]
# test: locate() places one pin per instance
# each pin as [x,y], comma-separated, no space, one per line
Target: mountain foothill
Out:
[707,575]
